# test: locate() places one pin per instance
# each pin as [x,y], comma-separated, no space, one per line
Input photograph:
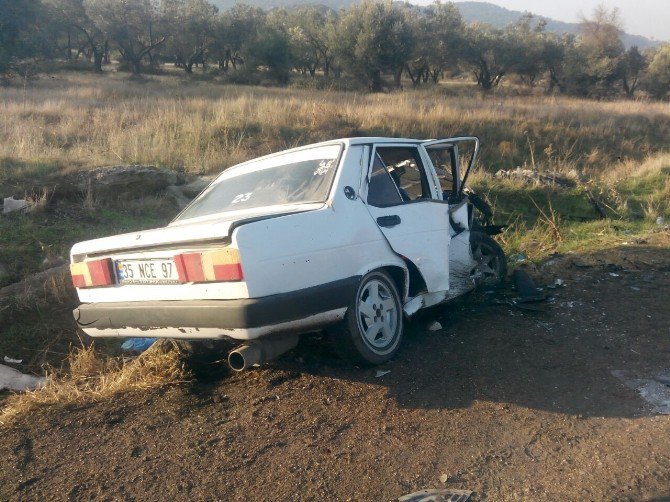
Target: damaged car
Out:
[350,236]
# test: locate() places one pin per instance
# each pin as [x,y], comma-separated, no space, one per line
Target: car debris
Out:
[343,218]
[10,204]
[434,326]
[9,360]
[558,283]
[526,287]
[13,379]
[381,373]
[138,344]
[518,257]
[437,495]
[529,295]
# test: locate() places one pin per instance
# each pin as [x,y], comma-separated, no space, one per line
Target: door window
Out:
[404,166]
[443,160]
[382,191]
[450,161]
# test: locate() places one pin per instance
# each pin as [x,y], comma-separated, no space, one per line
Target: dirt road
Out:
[510,403]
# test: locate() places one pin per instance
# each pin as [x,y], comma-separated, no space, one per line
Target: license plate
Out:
[146,272]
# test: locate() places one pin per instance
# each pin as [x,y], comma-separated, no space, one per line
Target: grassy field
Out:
[618,151]
[81,120]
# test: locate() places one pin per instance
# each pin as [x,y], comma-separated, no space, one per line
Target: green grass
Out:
[29,239]
[545,219]
[647,196]
[39,328]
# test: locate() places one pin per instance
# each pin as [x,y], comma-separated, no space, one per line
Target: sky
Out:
[650,18]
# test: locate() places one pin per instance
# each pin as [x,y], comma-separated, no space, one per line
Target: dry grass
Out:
[90,120]
[91,377]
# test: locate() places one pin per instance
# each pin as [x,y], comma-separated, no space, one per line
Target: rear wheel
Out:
[372,329]
[490,261]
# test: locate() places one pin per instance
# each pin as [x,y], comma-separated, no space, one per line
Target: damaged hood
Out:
[208,229]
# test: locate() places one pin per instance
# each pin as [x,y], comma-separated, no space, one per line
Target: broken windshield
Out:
[292,178]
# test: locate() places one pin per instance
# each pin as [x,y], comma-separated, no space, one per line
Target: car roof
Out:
[340,141]
[367,140]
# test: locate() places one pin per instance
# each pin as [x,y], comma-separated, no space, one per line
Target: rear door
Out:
[452,160]
[405,201]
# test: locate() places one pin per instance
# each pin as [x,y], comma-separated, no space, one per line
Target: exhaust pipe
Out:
[259,352]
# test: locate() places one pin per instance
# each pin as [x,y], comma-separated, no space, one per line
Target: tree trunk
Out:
[397,78]
[135,66]
[97,60]
[484,78]
[435,75]
[69,46]
[375,81]
[415,79]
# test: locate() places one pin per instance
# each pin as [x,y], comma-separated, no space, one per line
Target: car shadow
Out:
[558,359]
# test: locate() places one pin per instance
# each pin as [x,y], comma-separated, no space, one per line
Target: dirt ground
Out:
[510,403]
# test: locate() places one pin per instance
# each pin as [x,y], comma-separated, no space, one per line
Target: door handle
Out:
[388,221]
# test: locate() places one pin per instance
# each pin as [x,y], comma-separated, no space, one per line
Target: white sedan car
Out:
[350,235]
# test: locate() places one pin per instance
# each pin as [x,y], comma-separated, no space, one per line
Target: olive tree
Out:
[190,27]
[374,38]
[17,21]
[130,25]
[309,28]
[235,32]
[594,65]
[490,53]
[439,37]
[633,67]
[657,77]
[270,48]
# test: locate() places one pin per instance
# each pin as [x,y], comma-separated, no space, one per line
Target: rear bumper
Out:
[243,319]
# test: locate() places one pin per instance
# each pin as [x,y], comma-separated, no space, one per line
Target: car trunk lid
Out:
[182,234]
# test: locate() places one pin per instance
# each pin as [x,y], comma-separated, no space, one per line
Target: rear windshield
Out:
[291,178]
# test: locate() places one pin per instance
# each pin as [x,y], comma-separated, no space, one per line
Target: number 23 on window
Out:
[243,197]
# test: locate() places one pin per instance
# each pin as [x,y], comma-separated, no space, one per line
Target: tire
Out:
[491,264]
[372,329]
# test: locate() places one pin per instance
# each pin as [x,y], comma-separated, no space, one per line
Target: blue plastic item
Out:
[138,344]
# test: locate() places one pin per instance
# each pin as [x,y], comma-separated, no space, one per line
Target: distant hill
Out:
[271,4]
[482,12]
[485,12]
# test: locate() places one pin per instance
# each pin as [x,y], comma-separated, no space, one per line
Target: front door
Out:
[407,207]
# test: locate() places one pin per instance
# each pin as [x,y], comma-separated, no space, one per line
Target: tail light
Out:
[91,274]
[222,265]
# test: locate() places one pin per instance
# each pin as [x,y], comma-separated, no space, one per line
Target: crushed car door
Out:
[406,205]
[452,160]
